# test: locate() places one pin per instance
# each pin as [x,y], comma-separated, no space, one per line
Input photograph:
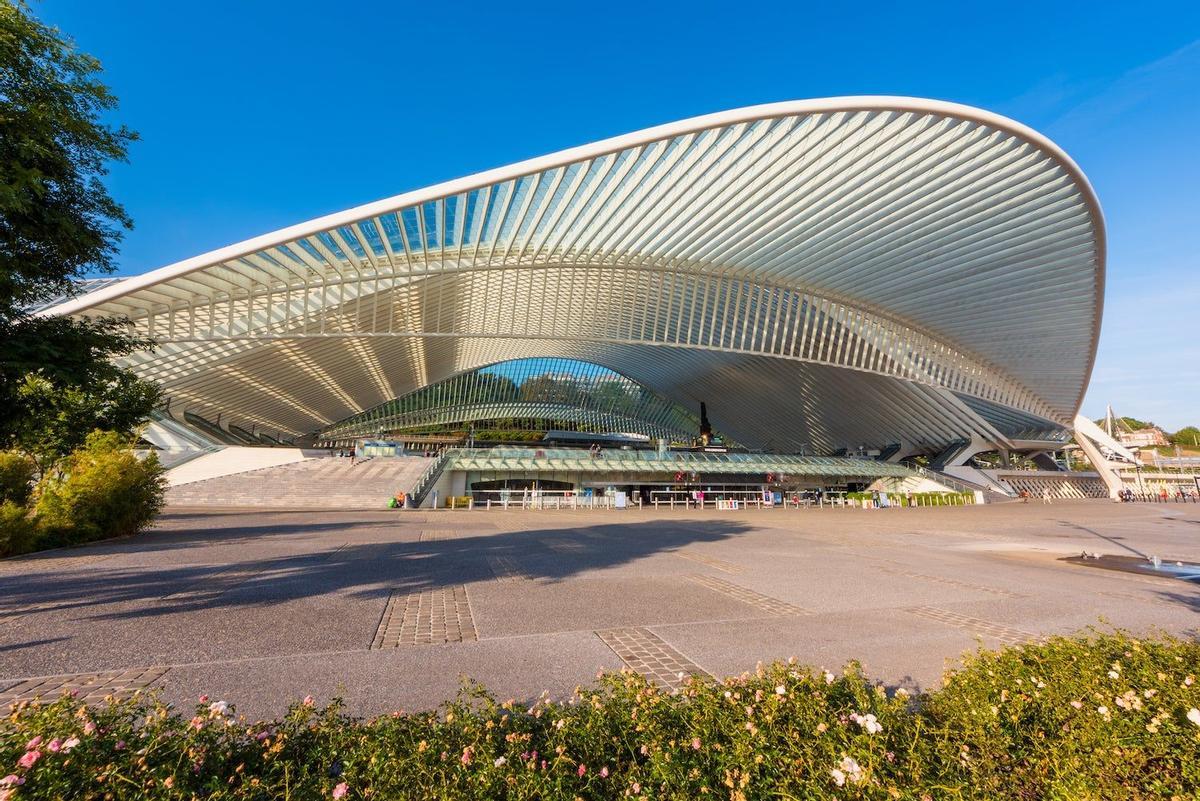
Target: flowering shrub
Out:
[1040,721]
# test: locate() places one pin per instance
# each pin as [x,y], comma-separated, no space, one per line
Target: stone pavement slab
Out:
[390,608]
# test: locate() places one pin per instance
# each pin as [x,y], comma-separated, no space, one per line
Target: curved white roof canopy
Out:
[826,273]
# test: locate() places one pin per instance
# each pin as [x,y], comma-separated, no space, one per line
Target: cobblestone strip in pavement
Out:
[51,562]
[506,569]
[642,651]
[13,612]
[438,534]
[975,625]
[719,564]
[564,546]
[213,585]
[426,618]
[764,603]
[90,686]
[965,585]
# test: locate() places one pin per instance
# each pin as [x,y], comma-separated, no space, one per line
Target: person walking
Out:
[1046,495]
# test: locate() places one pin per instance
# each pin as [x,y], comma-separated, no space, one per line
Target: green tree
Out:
[1186,437]
[548,389]
[101,490]
[56,419]
[57,224]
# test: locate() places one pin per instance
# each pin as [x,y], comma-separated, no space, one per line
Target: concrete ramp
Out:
[235,460]
[316,483]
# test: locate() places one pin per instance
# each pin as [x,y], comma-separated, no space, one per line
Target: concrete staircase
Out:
[321,483]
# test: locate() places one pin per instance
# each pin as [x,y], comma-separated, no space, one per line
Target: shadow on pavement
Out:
[359,558]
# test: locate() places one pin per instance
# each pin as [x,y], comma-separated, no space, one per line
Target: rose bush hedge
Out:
[1106,716]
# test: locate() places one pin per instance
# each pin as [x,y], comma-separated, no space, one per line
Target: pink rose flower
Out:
[12,780]
[89,728]
[341,790]
[28,758]
[582,769]
[34,743]
[54,746]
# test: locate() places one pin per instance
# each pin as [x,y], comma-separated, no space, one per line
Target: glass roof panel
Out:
[328,241]
[352,242]
[371,234]
[430,213]
[391,229]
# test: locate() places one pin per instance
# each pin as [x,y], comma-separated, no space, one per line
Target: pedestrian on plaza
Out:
[1045,495]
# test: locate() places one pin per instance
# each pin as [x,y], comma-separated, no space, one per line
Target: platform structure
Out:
[642,476]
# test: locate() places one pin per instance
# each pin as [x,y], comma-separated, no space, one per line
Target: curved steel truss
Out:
[827,274]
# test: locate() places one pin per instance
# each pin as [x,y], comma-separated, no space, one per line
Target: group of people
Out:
[1181,495]
[1047,497]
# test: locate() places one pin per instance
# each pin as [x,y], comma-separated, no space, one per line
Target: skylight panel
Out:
[352,241]
[371,234]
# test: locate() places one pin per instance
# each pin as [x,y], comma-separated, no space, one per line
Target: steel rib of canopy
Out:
[877,256]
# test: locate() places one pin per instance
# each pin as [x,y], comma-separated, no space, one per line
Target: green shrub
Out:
[16,477]
[18,529]
[1020,723]
[100,490]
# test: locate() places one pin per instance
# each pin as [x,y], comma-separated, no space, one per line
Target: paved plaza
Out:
[390,609]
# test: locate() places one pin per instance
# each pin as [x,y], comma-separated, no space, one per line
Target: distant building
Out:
[1143,438]
[1148,436]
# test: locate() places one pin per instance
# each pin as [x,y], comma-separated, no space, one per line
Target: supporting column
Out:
[1104,452]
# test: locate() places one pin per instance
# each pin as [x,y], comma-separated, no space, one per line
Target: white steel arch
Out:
[858,266]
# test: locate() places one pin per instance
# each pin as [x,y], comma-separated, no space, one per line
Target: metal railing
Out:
[425,483]
[947,479]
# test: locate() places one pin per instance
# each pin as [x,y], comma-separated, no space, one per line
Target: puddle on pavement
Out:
[1186,571]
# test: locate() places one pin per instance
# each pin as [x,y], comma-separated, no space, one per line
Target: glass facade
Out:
[528,396]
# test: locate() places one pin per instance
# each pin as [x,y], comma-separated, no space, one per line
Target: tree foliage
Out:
[101,490]
[16,477]
[1188,436]
[54,419]
[57,220]
[57,224]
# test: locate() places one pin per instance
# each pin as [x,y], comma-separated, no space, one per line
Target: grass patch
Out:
[1104,716]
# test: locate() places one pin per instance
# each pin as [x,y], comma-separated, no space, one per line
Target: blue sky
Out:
[257,115]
